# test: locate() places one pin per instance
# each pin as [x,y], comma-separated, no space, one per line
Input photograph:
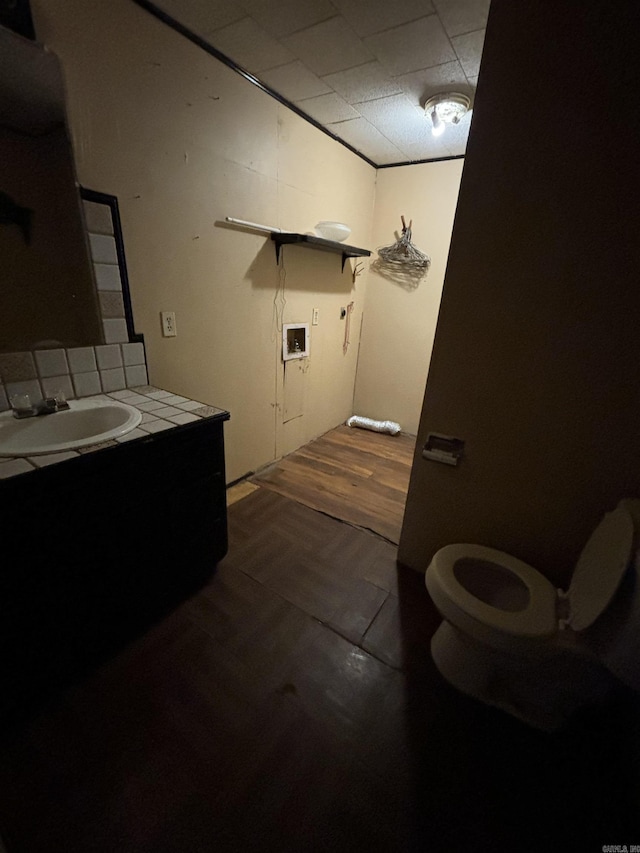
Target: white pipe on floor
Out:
[376,426]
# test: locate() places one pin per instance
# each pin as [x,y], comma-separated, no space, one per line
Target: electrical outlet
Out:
[168,324]
[314,316]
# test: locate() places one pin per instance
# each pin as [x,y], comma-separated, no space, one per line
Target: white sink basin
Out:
[85,422]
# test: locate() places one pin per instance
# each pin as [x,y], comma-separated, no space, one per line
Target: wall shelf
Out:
[312,242]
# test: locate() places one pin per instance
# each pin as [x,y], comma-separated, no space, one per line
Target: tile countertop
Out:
[160,410]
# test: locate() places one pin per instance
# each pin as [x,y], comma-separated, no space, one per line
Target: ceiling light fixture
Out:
[446,108]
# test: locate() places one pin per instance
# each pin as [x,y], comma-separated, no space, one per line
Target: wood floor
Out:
[355,475]
[292,705]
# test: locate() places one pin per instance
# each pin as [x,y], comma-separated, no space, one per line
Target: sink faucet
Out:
[23,407]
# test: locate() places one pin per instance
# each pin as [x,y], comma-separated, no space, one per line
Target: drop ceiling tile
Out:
[469,51]
[203,16]
[367,139]
[420,85]
[327,108]
[456,136]
[452,143]
[250,46]
[362,68]
[420,44]
[373,16]
[455,139]
[462,16]
[328,47]
[387,110]
[426,147]
[294,81]
[363,83]
[288,16]
[396,118]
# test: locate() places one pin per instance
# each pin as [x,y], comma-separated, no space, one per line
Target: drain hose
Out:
[377,426]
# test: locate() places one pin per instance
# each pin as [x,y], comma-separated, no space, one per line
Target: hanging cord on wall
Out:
[347,328]
[279,298]
[279,303]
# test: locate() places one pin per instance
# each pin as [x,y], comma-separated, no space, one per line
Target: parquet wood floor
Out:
[356,475]
[292,705]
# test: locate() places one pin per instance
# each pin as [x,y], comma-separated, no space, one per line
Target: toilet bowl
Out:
[512,640]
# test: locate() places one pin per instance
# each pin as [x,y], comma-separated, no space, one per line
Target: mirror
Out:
[47,290]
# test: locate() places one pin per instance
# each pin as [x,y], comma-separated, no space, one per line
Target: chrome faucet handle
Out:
[46,406]
[61,401]
[21,406]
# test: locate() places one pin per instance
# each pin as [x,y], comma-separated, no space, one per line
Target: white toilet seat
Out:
[501,640]
[536,620]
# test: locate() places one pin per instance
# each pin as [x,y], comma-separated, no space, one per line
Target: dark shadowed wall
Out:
[537,351]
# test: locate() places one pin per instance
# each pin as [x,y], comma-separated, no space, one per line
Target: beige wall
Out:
[183,141]
[535,362]
[399,321]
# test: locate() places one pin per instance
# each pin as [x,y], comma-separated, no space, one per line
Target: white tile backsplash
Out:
[107,277]
[103,249]
[133,354]
[87,384]
[115,331]
[51,362]
[81,359]
[112,380]
[136,375]
[52,386]
[108,356]
[97,217]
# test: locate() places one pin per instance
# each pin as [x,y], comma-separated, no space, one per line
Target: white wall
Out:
[183,141]
[400,322]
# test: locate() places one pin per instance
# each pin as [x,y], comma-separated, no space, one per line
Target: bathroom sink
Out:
[84,422]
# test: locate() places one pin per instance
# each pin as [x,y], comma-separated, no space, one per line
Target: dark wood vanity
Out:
[98,547]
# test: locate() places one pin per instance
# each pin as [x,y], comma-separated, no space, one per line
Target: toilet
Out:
[512,640]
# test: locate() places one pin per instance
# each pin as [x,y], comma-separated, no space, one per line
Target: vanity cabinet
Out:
[99,547]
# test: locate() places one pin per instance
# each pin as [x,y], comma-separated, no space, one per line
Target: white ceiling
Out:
[360,68]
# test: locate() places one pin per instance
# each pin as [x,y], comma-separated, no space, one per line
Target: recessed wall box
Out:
[295,340]
[443,448]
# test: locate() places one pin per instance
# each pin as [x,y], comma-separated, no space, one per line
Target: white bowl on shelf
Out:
[332,230]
